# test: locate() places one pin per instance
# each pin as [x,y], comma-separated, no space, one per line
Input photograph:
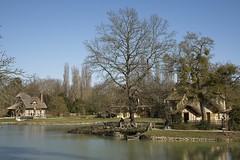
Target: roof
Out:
[215,106]
[33,102]
[193,106]
[174,96]
[13,107]
[23,95]
[28,102]
[192,103]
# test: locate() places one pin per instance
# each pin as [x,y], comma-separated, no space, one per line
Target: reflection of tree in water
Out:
[142,150]
[200,151]
[208,152]
[234,152]
[153,150]
[176,150]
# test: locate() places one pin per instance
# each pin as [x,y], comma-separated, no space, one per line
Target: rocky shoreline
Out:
[187,139]
[112,130]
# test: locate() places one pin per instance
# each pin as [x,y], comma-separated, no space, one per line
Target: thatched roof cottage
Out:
[189,107]
[27,106]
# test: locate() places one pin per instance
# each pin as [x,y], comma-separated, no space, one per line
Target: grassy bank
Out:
[89,119]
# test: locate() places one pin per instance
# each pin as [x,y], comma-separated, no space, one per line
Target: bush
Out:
[57,106]
[233,125]
[183,126]
[234,119]
[203,125]
[177,118]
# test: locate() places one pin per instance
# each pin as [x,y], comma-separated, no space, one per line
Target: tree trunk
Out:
[202,101]
[203,112]
[132,106]
[131,114]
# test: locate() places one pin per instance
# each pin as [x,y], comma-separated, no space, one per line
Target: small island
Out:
[148,131]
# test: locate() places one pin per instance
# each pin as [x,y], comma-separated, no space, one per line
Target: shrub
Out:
[184,126]
[234,119]
[203,125]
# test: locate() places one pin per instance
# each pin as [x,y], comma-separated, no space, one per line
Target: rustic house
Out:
[141,111]
[189,107]
[27,106]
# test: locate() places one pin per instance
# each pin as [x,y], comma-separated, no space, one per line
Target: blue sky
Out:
[43,35]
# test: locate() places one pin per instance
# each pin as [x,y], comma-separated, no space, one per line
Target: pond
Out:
[53,143]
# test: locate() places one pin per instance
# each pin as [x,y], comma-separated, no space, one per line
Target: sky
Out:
[43,35]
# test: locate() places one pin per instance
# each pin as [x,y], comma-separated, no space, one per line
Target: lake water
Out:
[53,143]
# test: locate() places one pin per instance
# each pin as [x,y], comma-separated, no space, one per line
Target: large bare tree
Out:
[7,70]
[127,49]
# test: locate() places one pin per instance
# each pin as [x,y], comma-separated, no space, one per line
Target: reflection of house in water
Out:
[189,107]
[27,106]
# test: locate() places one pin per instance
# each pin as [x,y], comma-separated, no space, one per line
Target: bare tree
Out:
[7,69]
[50,86]
[118,51]
[75,88]
[85,83]
[32,86]
[66,80]
[9,76]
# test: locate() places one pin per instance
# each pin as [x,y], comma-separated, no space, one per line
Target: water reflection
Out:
[196,151]
[53,142]
[23,153]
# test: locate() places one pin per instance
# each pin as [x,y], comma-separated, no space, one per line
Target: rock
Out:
[118,135]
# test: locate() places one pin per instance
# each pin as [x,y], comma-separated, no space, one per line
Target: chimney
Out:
[41,97]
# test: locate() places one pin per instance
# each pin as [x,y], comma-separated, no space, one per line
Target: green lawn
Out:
[73,120]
